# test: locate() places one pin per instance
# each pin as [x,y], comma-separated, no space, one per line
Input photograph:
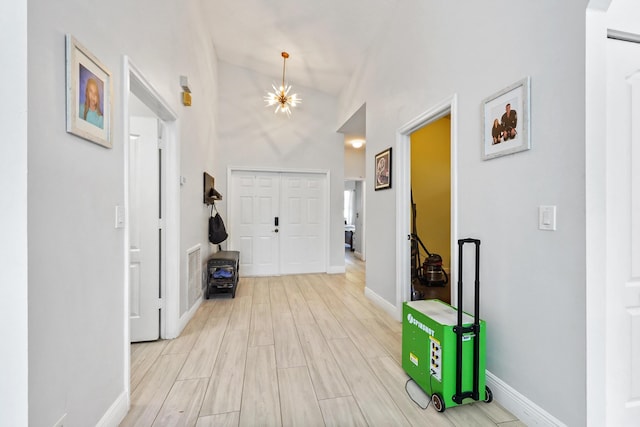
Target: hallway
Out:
[304,350]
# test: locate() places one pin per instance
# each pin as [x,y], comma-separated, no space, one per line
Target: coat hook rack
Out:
[210,194]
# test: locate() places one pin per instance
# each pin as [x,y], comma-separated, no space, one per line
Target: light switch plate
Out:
[547,218]
[119,216]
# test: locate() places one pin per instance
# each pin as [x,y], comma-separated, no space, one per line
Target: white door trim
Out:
[595,210]
[326,202]
[133,81]
[403,198]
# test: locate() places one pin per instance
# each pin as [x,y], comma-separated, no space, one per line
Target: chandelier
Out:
[280,96]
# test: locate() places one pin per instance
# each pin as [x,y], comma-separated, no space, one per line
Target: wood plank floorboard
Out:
[182,406]
[289,352]
[298,399]
[260,397]
[342,412]
[149,396]
[377,405]
[299,350]
[143,356]
[225,389]
[201,358]
[325,372]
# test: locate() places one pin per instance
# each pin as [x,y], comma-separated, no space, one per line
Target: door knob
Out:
[276,230]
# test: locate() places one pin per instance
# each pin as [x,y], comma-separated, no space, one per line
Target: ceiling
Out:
[325,39]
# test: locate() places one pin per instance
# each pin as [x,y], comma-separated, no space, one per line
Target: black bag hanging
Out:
[217,231]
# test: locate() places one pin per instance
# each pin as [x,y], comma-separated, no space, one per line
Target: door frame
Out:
[362,253]
[597,32]
[133,81]
[402,156]
[326,201]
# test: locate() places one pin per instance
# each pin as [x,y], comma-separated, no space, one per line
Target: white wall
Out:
[251,135]
[76,261]
[13,208]
[533,282]
[354,162]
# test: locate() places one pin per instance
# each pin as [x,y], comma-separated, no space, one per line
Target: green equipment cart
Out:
[443,348]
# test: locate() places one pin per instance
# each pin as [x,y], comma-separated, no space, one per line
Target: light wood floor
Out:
[306,350]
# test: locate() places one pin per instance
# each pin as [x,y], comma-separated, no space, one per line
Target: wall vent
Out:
[194,276]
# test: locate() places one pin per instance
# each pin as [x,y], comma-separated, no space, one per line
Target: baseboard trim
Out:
[182,323]
[116,413]
[382,303]
[336,269]
[358,255]
[520,406]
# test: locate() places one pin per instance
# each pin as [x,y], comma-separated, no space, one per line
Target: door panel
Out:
[303,227]
[623,239]
[253,209]
[299,201]
[144,238]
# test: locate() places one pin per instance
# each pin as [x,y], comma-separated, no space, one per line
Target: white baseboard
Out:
[520,406]
[116,413]
[336,269]
[382,303]
[182,323]
[358,255]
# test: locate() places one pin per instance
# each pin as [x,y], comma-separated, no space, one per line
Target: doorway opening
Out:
[447,108]
[354,131]
[431,210]
[354,220]
[135,85]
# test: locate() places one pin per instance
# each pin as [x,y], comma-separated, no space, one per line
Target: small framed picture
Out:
[383,170]
[505,118]
[89,89]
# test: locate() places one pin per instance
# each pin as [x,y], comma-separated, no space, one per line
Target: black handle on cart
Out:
[460,330]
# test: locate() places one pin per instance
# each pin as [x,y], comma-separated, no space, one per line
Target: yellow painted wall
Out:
[431,185]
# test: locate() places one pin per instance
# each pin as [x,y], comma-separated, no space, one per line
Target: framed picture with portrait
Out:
[505,119]
[89,95]
[383,170]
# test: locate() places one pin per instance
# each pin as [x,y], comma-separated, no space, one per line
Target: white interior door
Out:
[623,234]
[254,206]
[302,223]
[144,229]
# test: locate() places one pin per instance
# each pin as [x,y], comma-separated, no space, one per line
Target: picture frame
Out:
[382,168]
[506,121]
[88,95]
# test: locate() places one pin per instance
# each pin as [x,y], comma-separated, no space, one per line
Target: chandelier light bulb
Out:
[280,96]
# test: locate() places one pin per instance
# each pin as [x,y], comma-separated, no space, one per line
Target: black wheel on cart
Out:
[489,396]
[438,403]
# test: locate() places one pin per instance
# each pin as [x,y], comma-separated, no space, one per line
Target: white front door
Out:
[278,222]
[302,224]
[254,209]
[144,230]
[622,341]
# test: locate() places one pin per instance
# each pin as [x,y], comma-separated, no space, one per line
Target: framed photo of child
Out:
[383,170]
[505,118]
[89,95]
